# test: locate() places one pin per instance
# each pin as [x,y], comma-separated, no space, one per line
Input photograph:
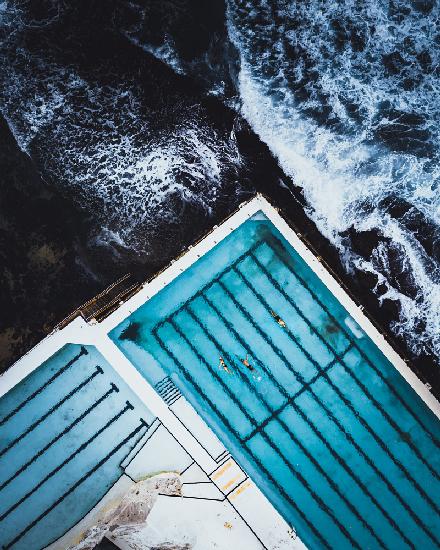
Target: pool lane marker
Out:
[60,435]
[348,436]
[298,442]
[321,371]
[52,410]
[348,403]
[296,407]
[83,446]
[320,502]
[348,336]
[349,371]
[78,483]
[44,386]
[226,422]
[332,417]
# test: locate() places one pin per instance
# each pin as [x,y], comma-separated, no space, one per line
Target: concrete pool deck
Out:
[257,517]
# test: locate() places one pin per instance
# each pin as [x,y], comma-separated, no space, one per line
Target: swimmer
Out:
[224,366]
[246,363]
[278,319]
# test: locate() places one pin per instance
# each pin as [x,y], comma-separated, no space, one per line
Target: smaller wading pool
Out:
[64,429]
[303,399]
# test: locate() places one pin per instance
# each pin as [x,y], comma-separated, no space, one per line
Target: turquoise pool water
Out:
[64,431]
[326,426]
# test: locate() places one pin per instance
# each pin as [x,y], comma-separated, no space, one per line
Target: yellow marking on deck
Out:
[222,470]
[239,490]
[231,481]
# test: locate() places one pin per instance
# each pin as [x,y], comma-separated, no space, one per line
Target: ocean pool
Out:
[303,399]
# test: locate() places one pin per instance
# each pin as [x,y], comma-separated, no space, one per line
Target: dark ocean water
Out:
[129,128]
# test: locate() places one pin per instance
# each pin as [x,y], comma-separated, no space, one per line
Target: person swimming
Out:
[246,363]
[278,319]
[224,366]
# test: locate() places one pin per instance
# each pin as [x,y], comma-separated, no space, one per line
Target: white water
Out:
[133,167]
[129,165]
[344,174]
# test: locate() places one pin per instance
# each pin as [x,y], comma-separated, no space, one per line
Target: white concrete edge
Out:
[181,264]
[352,308]
[77,330]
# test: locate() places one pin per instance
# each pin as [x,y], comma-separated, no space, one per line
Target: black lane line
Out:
[76,485]
[350,372]
[285,427]
[337,423]
[231,361]
[270,442]
[435,440]
[296,407]
[133,448]
[332,417]
[84,445]
[364,422]
[60,435]
[280,388]
[232,430]
[44,386]
[214,374]
[293,397]
[51,410]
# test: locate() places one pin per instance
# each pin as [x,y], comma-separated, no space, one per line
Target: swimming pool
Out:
[65,429]
[303,399]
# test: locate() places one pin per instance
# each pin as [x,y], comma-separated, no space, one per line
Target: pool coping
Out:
[78,331]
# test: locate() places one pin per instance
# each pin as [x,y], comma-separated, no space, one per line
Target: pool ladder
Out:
[168,391]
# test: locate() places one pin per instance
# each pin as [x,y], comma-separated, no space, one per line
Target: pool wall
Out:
[81,332]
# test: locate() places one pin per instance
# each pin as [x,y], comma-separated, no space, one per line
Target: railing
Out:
[103,304]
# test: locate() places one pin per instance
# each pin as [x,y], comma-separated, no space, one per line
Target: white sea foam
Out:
[133,168]
[344,174]
[165,52]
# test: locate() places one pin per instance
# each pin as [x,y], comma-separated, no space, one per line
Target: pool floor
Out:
[64,429]
[305,402]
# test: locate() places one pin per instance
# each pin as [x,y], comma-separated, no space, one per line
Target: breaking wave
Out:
[345,94]
[347,97]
